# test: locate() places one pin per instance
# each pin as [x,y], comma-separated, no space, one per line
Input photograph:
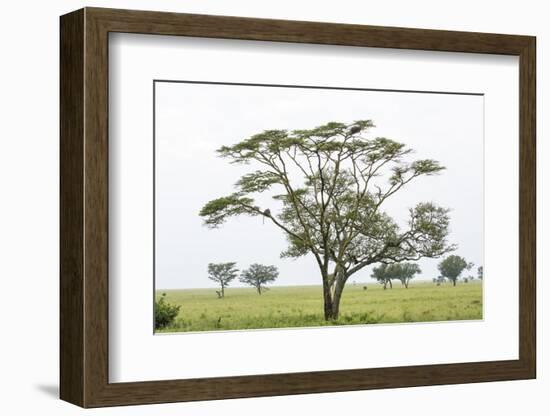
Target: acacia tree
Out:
[258,275]
[222,273]
[451,267]
[381,273]
[331,183]
[403,272]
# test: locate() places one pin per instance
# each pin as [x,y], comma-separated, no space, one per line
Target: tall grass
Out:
[302,306]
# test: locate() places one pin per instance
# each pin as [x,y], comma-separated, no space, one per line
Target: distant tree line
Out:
[450,268]
[259,275]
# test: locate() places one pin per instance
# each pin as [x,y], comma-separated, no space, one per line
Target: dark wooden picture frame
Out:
[84,207]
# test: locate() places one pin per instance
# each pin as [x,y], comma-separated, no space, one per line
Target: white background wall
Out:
[29,207]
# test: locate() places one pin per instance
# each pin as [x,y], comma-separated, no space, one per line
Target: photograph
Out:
[296,206]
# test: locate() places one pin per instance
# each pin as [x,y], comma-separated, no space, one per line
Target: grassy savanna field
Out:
[302,306]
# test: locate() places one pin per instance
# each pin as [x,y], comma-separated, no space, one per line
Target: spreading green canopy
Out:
[259,275]
[223,274]
[335,210]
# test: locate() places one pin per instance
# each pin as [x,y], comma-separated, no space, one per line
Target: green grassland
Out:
[302,306]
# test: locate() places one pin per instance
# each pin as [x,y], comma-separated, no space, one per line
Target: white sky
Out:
[193,120]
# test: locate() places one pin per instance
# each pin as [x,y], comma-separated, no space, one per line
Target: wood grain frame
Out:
[84,207]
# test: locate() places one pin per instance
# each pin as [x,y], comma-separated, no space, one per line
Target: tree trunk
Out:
[454,282]
[332,295]
[340,282]
[259,289]
[223,294]
[327,299]
[406,283]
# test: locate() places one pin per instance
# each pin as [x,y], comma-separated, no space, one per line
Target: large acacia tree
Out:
[331,182]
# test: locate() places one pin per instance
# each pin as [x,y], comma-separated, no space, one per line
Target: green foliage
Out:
[165,313]
[381,273]
[406,271]
[218,210]
[258,275]
[403,272]
[451,267]
[257,182]
[302,306]
[222,273]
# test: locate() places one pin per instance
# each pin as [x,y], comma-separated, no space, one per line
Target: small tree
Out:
[382,274]
[480,272]
[451,267]
[165,313]
[258,275]
[403,272]
[222,273]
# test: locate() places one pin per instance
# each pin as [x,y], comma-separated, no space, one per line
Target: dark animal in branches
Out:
[266,213]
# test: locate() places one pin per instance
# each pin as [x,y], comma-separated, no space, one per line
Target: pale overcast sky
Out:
[193,120]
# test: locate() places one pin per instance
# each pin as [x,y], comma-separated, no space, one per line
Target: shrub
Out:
[165,313]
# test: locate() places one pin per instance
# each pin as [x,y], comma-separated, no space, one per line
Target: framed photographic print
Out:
[255,207]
